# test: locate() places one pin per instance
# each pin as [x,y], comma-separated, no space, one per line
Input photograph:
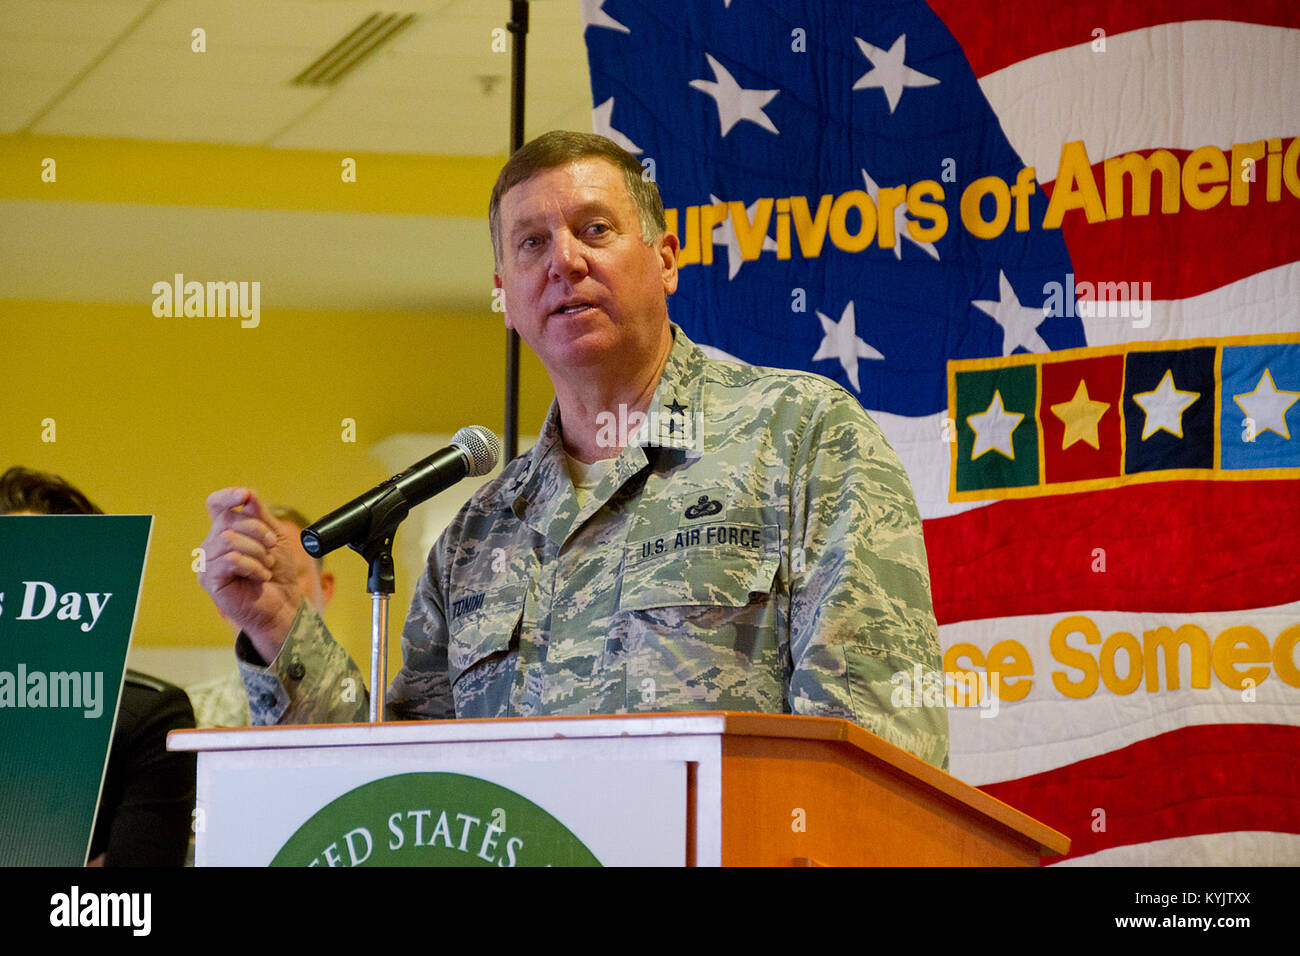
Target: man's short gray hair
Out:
[559,147]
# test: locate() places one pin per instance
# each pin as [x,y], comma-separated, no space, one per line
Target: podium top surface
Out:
[480,730]
[711,724]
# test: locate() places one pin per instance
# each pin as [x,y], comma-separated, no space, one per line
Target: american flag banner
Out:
[1054,251]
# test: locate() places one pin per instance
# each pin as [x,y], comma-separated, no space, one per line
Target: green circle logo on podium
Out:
[433,819]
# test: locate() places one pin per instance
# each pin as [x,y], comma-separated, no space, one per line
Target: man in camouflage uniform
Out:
[754,545]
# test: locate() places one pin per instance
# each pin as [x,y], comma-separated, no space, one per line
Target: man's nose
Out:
[568,256]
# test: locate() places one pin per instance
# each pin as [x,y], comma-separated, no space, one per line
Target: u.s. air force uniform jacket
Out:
[756,548]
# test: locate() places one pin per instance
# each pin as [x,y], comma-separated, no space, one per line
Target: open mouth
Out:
[573,308]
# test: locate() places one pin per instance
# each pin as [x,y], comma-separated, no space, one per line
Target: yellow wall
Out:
[243,177]
[153,414]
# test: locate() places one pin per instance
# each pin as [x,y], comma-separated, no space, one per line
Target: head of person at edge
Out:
[585,263]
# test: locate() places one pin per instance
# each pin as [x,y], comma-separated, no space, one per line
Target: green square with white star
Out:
[997,437]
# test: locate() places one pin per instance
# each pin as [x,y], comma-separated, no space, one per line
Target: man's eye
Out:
[598,228]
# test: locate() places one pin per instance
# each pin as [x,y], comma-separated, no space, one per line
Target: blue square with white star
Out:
[814,154]
[1260,397]
[1169,410]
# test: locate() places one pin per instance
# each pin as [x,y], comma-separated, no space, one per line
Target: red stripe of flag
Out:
[1015,30]
[1189,252]
[1174,546]
[1212,778]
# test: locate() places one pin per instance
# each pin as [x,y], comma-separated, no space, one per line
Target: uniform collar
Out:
[675,417]
[543,498]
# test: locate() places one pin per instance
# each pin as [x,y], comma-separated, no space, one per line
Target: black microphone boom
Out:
[474,451]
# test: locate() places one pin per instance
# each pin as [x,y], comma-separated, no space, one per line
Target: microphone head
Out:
[311,543]
[481,447]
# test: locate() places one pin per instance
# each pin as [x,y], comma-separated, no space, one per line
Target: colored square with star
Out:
[997,439]
[1169,410]
[1260,383]
[1080,418]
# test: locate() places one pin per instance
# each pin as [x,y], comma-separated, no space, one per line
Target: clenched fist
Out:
[250,568]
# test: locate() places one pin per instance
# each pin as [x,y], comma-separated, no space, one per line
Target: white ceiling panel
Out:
[124,69]
[127,70]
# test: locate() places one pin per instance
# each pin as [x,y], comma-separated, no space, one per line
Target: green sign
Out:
[433,819]
[68,591]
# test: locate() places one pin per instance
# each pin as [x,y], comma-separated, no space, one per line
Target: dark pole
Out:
[518,27]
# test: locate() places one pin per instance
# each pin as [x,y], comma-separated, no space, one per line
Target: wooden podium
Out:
[706,789]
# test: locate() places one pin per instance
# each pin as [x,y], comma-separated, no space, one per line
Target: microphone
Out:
[473,451]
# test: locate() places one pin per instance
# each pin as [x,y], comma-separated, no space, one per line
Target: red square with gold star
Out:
[1079,412]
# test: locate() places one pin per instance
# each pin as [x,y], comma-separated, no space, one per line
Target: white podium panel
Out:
[422,794]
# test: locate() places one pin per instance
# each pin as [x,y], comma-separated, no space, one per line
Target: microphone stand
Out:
[517,25]
[377,548]
[374,518]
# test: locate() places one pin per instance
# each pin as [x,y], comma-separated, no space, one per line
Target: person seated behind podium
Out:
[147,800]
[223,701]
[757,548]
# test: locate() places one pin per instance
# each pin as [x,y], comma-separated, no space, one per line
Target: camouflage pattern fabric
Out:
[756,548]
[311,681]
[221,702]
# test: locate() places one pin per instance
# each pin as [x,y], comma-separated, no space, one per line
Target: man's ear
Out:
[327,587]
[668,248]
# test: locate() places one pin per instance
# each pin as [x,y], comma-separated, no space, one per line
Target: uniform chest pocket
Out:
[700,615]
[483,629]
[701,576]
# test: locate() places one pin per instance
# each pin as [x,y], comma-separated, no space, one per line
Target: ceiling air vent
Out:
[340,59]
